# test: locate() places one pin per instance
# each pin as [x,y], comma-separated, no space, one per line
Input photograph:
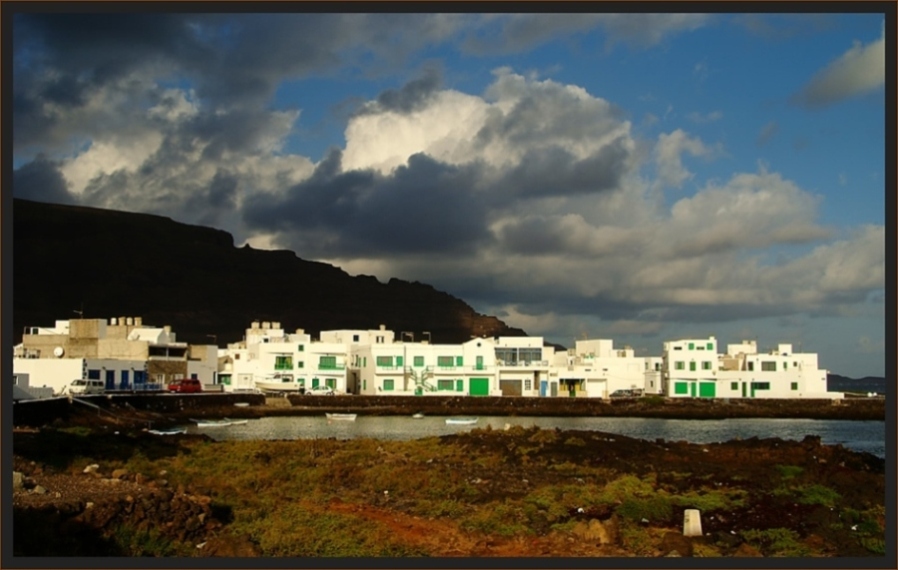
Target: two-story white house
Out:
[689,368]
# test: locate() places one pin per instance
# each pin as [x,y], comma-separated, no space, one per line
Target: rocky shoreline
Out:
[170,409]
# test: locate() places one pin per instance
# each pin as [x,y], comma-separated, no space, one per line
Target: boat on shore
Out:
[281,384]
[341,417]
[461,421]
[172,431]
[418,416]
[212,423]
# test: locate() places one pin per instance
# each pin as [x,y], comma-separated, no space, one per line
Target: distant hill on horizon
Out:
[837,383]
[110,263]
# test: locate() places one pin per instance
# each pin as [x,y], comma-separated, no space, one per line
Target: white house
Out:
[595,369]
[524,367]
[423,368]
[779,373]
[689,368]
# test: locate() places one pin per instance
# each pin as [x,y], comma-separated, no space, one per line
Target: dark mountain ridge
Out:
[110,263]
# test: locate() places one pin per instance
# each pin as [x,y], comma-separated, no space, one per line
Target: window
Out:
[760,385]
[706,365]
[398,361]
[444,361]
[459,385]
[355,338]
[364,384]
[93,374]
[528,384]
[459,360]
[531,354]
[710,346]
[699,347]
[224,378]
[691,346]
[785,365]
[419,361]
[314,382]
[692,366]
[388,385]
[327,362]
[385,361]
[283,363]
[301,348]
[681,388]
[768,366]
[300,364]
[657,366]
[734,386]
[679,365]
[445,384]
[751,366]
[678,348]
[380,340]
[795,385]
[330,383]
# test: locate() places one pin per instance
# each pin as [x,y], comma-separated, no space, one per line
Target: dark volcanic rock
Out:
[194,279]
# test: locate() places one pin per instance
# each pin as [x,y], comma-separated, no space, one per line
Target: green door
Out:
[480,386]
[707,390]
[692,389]
[743,389]
[479,363]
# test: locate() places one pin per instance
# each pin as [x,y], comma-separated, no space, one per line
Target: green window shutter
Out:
[710,346]
[314,382]
[419,361]
[692,366]
[398,361]
[385,361]
[388,385]
[458,360]
[364,384]
[301,348]
[691,346]
[444,361]
[734,385]
[459,385]
[795,385]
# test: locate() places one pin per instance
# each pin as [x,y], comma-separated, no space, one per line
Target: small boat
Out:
[211,423]
[461,421]
[238,422]
[418,416]
[173,431]
[342,417]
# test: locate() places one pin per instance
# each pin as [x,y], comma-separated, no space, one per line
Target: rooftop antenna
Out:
[81,312]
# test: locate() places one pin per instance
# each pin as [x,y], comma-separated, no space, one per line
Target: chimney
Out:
[266,325]
[300,331]
[130,321]
[138,321]
[383,327]
[275,325]
[167,329]
[112,321]
[255,325]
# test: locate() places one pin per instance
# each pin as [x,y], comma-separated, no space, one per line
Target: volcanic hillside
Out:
[109,263]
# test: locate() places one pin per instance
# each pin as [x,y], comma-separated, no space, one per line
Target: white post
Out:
[692,523]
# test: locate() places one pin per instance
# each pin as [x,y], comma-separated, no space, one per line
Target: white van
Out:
[85,387]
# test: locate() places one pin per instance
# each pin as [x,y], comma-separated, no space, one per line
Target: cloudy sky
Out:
[641,177]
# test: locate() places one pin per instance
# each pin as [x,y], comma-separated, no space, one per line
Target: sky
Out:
[641,177]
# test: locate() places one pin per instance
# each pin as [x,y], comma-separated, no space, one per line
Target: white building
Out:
[524,367]
[692,368]
[122,352]
[595,369]
[422,368]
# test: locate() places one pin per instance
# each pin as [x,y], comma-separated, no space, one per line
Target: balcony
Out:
[331,366]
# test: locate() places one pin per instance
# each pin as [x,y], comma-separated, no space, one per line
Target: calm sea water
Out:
[867,436]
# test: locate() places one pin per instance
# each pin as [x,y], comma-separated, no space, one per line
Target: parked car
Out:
[320,391]
[186,386]
[80,386]
[626,393]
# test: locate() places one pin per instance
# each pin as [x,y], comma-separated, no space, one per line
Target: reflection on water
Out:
[868,436]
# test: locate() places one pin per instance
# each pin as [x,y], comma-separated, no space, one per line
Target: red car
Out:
[186,386]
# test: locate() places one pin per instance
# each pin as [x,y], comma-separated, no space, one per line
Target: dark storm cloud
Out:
[412,96]
[232,61]
[426,206]
[556,172]
[41,181]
